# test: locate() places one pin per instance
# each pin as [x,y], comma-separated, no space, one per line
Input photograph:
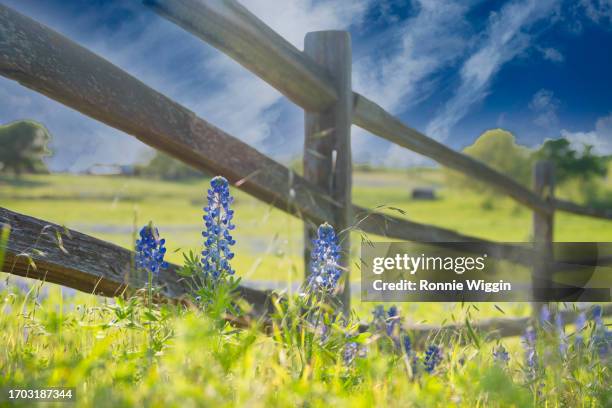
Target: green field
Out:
[269,241]
[125,353]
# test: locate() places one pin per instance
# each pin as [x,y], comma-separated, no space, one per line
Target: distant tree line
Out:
[23,146]
[165,167]
[573,164]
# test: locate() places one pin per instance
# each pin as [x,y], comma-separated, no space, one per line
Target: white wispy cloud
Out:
[424,44]
[545,105]
[600,137]
[552,54]
[180,66]
[600,11]
[433,39]
[506,37]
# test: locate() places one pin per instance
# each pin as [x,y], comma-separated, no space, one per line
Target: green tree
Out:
[569,163]
[497,148]
[23,145]
[166,167]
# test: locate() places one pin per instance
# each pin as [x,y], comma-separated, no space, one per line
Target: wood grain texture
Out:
[40,249]
[51,64]
[231,28]
[568,206]
[327,143]
[543,233]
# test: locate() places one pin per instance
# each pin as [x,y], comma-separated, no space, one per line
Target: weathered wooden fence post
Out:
[327,142]
[543,223]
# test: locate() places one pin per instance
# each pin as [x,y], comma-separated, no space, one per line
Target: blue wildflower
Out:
[325,256]
[597,314]
[150,250]
[545,315]
[407,343]
[602,338]
[218,216]
[529,343]
[351,351]
[433,357]
[581,322]
[378,319]
[378,312]
[414,364]
[393,320]
[500,355]
[562,336]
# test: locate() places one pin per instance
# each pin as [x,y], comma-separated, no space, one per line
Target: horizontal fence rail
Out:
[49,252]
[234,30]
[570,207]
[40,249]
[53,65]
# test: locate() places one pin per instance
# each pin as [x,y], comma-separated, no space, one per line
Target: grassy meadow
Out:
[128,353]
[269,242]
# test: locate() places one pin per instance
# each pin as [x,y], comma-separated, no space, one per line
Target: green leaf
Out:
[471,333]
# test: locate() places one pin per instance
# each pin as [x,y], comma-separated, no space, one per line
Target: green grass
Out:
[118,354]
[188,358]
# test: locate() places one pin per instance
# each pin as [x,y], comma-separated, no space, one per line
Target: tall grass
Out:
[201,360]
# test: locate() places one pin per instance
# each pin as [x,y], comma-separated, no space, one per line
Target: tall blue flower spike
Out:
[407,344]
[433,357]
[545,315]
[562,336]
[602,337]
[581,322]
[531,358]
[349,353]
[500,355]
[393,320]
[218,216]
[150,250]
[324,266]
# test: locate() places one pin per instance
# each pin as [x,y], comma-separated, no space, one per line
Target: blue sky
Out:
[452,69]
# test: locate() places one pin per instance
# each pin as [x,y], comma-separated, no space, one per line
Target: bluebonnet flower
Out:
[433,357]
[529,342]
[218,216]
[150,250]
[349,353]
[545,315]
[407,343]
[378,319]
[393,320]
[561,332]
[581,322]
[324,267]
[500,355]
[378,312]
[414,364]
[597,313]
[602,338]
[324,331]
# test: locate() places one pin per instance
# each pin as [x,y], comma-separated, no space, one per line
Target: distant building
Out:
[422,193]
[110,170]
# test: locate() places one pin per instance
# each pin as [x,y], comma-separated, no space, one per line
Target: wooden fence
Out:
[317,79]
